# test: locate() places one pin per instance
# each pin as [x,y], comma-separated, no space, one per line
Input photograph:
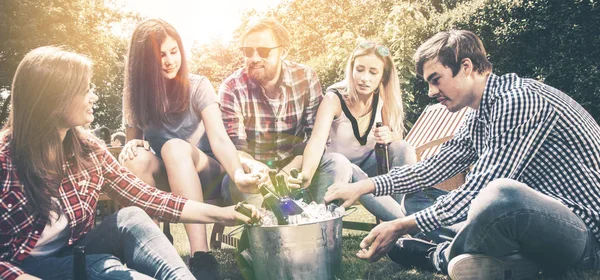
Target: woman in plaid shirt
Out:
[52,173]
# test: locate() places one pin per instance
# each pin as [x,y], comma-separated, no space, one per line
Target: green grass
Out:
[352,267]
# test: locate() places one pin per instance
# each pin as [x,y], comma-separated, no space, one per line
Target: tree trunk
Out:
[4,112]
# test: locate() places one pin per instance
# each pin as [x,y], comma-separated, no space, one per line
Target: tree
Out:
[80,25]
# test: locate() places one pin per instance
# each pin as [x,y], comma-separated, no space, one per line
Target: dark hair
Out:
[120,136]
[450,48]
[45,78]
[103,133]
[146,91]
[281,34]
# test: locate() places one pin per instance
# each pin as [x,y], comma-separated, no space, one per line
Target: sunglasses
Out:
[262,51]
[381,49]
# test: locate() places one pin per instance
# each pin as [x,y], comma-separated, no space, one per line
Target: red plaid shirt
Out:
[264,132]
[79,191]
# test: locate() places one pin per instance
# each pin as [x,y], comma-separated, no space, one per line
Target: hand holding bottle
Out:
[383,134]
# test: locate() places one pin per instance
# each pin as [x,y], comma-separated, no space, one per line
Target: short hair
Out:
[103,133]
[450,48]
[118,136]
[281,34]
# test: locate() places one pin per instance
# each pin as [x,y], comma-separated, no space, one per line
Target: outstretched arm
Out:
[227,154]
[329,109]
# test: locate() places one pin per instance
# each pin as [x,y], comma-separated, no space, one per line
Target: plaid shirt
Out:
[264,132]
[79,191]
[524,130]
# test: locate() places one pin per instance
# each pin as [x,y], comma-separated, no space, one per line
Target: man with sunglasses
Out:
[268,108]
[532,197]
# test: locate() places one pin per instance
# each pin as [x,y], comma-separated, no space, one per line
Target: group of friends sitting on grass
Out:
[530,201]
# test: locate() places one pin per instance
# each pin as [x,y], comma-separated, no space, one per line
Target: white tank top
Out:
[344,135]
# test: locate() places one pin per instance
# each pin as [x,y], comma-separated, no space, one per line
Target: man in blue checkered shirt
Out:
[531,199]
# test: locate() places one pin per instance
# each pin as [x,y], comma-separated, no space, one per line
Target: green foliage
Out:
[80,25]
[216,61]
[554,41]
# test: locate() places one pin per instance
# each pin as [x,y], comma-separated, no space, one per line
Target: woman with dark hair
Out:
[52,172]
[164,109]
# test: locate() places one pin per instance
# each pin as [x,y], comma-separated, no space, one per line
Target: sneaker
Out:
[413,252]
[475,266]
[204,266]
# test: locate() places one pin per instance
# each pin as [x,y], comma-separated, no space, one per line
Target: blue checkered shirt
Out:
[524,130]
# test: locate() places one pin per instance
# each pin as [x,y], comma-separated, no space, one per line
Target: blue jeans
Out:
[385,208]
[333,168]
[127,237]
[399,153]
[509,217]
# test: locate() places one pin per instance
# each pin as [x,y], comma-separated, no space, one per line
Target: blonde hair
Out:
[389,88]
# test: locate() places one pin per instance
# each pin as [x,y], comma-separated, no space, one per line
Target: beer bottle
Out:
[300,193]
[283,187]
[288,205]
[381,156]
[79,266]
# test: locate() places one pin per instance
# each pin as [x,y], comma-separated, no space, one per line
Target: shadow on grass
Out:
[354,268]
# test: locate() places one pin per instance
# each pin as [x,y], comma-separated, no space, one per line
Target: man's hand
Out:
[349,193]
[382,238]
[129,150]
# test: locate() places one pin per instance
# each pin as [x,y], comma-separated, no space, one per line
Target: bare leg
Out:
[183,162]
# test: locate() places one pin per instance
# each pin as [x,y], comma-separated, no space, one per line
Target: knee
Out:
[133,215]
[335,160]
[500,196]
[402,153]
[141,163]
[176,149]
[336,163]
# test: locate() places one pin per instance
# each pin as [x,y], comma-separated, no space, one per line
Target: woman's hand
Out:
[233,217]
[129,150]
[383,135]
[297,183]
[247,180]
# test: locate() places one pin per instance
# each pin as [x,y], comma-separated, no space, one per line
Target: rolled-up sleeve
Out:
[128,190]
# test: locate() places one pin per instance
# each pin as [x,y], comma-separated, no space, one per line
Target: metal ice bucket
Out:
[307,251]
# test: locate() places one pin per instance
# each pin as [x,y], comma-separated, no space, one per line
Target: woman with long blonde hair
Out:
[370,93]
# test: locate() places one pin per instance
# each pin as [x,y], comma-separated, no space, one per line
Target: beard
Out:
[262,75]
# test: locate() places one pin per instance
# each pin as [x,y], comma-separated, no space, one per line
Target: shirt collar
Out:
[286,72]
[488,98]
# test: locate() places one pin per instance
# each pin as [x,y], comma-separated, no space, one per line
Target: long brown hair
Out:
[45,79]
[148,97]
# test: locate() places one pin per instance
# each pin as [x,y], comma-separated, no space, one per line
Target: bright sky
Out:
[200,21]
